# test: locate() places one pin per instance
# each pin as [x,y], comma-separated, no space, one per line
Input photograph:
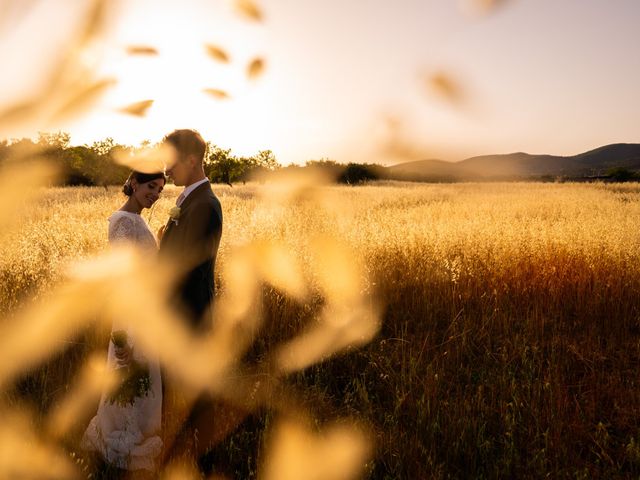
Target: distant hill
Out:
[523,165]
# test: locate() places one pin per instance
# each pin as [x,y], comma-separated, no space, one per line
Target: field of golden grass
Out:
[502,321]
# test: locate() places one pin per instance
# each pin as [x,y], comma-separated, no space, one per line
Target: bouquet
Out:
[134,378]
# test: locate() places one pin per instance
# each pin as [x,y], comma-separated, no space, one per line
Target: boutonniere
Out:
[174,214]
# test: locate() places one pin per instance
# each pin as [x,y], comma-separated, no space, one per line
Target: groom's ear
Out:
[192,160]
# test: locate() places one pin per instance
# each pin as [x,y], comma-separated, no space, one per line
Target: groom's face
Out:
[180,172]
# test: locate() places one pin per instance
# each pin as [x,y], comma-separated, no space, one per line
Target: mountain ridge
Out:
[525,165]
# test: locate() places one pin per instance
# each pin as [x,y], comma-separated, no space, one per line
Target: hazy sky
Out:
[355,80]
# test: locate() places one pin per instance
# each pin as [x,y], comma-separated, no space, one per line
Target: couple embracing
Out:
[135,430]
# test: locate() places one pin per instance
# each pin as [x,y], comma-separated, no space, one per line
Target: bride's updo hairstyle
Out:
[140,177]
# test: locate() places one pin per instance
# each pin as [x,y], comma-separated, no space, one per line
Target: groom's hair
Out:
[187,142]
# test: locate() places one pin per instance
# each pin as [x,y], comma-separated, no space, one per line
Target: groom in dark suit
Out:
[192,235]
[190,242]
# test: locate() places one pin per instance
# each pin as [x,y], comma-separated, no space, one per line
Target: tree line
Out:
[94,165]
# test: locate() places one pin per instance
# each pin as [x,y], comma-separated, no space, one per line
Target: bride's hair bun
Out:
[127,189]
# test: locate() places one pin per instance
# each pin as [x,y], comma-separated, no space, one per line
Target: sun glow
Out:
[159,56]
[178,76]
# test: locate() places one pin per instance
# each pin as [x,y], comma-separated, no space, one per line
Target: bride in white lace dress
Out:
[126,429]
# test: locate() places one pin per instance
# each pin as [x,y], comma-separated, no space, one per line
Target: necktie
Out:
[180,199]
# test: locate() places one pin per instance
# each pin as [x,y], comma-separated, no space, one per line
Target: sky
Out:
[369,81]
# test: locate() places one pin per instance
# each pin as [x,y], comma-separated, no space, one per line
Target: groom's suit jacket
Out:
[192,243]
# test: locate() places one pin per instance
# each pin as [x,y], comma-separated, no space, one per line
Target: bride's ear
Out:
[134,184]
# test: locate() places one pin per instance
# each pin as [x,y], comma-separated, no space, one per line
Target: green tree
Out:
[326,168]
[103,147]
[57,140]
[355,173]
[77,163]
[4,150]
[72,161]
[621,174]
[100,166]
[220,166]
[260,166]
[267,160]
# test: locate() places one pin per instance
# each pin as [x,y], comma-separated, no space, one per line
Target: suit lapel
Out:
[200,190]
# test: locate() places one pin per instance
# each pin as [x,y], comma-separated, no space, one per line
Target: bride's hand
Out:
[123,355]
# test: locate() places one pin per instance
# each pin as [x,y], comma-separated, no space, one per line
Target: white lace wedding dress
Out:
[127,436]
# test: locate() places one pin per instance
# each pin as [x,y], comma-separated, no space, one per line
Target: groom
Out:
[192,235]
[190,241]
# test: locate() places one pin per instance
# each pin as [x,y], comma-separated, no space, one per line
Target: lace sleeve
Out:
[122,229]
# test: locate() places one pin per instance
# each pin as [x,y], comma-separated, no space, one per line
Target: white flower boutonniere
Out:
[174,213]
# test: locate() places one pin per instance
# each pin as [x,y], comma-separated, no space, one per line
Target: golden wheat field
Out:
[486,330]
[449,228]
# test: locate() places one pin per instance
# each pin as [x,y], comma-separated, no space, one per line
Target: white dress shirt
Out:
[185,193]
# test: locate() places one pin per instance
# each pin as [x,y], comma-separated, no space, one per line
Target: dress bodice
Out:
[130,227]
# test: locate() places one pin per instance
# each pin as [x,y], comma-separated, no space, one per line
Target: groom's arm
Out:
[202,235]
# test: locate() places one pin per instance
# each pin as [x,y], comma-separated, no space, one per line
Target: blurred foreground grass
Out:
[510,336]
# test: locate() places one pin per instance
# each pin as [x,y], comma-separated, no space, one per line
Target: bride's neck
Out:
[131,206]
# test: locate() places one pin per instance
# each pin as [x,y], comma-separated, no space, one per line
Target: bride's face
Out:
[147,193]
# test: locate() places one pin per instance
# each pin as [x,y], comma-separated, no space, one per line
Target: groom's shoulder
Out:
[207,195]
[207,200]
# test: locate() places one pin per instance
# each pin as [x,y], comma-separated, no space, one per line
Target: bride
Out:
[126,429]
